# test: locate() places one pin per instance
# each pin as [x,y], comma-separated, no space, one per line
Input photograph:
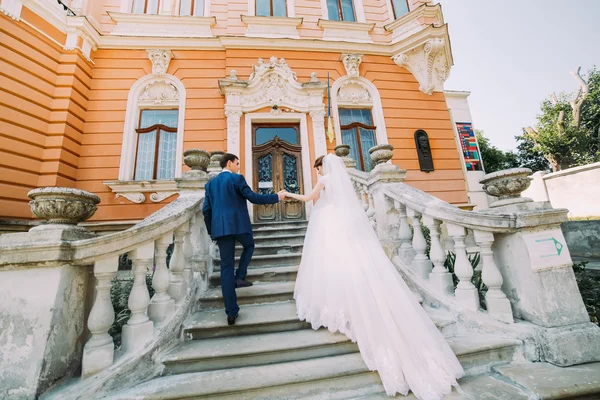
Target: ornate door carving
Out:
[277,157]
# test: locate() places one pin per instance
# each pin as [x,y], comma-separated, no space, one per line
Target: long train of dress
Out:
[347,284]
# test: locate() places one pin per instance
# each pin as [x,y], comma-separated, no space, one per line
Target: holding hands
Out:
[282,195]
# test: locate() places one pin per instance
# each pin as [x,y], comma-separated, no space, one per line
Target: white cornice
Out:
[278,21]
[271,27]
[355,32]
[161,26]
[424,11]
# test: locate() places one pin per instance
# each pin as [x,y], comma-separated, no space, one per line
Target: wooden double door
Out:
[277,164]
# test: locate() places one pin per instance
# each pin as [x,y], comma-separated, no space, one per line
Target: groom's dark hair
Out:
[228,157]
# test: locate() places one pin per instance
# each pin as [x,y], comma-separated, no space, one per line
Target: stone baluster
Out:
[364,196]
[406,251]
[466,292]
[420,263]
[98,352]
[139,330]
[187,252]
[178,287]
[161,305]
[439,277]
[371,209]
[201,246]
[496,301]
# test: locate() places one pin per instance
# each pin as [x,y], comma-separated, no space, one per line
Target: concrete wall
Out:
[577,189]
[583,237]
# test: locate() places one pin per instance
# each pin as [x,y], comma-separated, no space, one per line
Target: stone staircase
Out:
[270,354]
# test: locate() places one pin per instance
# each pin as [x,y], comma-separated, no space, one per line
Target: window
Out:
[145,7]
[400,8]
[358,132]
[156,145]
[271,8]
[341,10]
[191,7]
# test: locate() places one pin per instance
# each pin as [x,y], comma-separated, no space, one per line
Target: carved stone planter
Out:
[62,206]
[507,185]
[342,151]
[214,168]
[381,154]
[196,159]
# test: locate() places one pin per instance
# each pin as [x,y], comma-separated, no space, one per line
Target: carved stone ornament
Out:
[134,197]
[507,185]
[59,205]
[355,93]
[428,63]
[160,60]
[214,167]
[424,151]
[196,159]
[275,65]
[160,196]
[351,63]
[159,92]
[381,154]
[343,151]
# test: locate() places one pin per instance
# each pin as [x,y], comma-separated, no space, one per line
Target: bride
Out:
[347,284]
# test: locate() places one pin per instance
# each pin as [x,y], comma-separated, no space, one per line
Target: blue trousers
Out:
[228,277]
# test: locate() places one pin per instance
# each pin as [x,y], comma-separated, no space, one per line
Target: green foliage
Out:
[493,158]
[567,145]
[528,156]
[119,296]
[477,281]
[589,287]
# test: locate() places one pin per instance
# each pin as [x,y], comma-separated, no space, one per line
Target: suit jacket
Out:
[225,209]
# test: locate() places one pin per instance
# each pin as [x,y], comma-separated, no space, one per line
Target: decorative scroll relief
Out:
[160,60]
[160,196]
[137,198]
[354,93]
[160,92]
[428,63]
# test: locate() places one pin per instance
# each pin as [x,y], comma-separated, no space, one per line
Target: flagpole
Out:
[330,134]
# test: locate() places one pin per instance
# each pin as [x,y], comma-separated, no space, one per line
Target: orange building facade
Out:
[105,95]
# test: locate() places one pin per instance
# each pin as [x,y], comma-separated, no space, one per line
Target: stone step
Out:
[273,231]
[270,260]
[336,377]
[280,225]
[272,249]
[252,350]
[253,319]
[284,240]
[256,275]
[267,292]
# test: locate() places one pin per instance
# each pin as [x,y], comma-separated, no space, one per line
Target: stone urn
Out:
[381,154]
[507,185]
[214,168]
[62,206]
[196,159]
[342,151]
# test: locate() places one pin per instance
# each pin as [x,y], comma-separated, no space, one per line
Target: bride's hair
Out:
[318,162]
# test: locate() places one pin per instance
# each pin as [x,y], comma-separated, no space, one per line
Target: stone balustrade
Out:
[523,258]
[51,263]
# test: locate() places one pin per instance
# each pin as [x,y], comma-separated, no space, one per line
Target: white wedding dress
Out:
[347,284]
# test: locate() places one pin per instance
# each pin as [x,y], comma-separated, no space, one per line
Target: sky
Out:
[512,54]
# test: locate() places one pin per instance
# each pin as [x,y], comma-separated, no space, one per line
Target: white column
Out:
[406,251]
[466,293]
[187,251]
[178,287]
[439,277]
[496,301]
[98,352]
[161,305]
[420,263]
[139,330]
[233,130]
[318,127]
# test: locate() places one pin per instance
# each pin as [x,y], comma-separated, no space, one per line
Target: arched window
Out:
[358,131]
[156,145]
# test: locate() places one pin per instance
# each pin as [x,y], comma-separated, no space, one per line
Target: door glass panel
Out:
[290,174]
[266,134]
[265,174]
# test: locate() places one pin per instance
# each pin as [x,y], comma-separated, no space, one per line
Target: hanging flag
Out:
[330,134]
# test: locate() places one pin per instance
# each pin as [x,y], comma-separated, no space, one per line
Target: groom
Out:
[227,221]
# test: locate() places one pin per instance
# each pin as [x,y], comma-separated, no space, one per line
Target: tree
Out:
[528,156]
[493,158]
[568,128]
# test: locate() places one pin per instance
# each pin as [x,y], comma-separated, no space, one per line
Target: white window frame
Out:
[126,6]
[359,9]
[132,120]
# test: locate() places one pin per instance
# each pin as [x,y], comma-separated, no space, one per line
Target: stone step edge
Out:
[258,272]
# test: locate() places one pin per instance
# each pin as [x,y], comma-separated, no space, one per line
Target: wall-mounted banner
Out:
[468,142]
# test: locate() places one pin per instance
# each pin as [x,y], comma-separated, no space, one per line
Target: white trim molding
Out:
[135,191]
[251,118]
[11,8]
[158,90]
[415,21]
[355,32]
[272,84]
[80,27]
[163,26]
[289,4]
[428,57]
[271,27]
[355,91]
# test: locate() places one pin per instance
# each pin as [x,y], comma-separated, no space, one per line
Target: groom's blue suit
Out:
[226,216]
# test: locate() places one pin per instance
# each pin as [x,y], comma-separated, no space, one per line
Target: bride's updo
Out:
[318,162]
